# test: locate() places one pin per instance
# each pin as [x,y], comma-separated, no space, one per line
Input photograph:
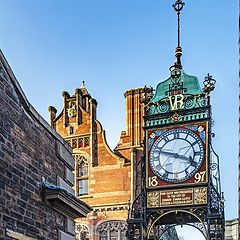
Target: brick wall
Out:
[111,173]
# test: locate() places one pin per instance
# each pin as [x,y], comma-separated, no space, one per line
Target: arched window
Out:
[82,232]
[82,173]
[112,230]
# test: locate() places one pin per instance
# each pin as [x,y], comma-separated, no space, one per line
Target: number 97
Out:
[200,177]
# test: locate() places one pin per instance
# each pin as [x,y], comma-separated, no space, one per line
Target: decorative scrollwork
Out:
[163,105]
[213,166]
[150,110]
[202,227]
[215,172]
[168,231]
[215,200]
[203,102]
[163,108]
[189,103]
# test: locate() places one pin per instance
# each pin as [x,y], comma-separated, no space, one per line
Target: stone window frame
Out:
[112,229]
[82,176]
[78,142]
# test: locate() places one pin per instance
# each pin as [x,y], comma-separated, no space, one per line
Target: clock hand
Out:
[184,149]
[190,160]
[167,153]
[183,157]
[176,155]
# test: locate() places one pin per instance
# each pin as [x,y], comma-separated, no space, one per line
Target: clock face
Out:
[176,155]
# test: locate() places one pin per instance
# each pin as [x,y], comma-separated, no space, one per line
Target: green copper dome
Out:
[191,84]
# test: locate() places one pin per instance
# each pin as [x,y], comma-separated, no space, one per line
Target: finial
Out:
[208,84]
[83,84]
[83,88]
[178,6]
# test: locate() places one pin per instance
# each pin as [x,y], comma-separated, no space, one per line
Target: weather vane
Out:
[178,6]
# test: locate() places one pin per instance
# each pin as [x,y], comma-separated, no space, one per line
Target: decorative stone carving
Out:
[112,230]
[72,112]
[153,199]
[82,232]
[200,195]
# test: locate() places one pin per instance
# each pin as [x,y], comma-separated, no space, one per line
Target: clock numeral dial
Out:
[176,135]
[177,155]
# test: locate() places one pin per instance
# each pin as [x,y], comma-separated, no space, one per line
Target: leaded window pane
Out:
[83,186]
[82,172]
[82,169]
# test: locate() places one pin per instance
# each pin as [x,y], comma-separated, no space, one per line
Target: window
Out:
[71,130]
[82,187]
[82,172]
[112,230]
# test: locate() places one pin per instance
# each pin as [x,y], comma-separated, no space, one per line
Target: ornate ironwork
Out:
[163,106]
[178,103]
[209,84]
[178,6]
[215,170]
[137,212]
[168,231]
[215,218]
[195,217]
[191,115]
[147,96]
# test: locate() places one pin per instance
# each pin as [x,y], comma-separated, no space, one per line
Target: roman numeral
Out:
[197,153]
[158,167]
[176,135]
[166,139]
[194,143]
[165,175]
[194,164]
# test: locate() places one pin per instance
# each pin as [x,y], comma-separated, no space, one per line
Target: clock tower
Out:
[180,171]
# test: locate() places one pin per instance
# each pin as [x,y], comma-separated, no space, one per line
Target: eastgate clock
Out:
[176,155]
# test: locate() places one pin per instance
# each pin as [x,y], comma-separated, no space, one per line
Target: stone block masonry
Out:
[29,154]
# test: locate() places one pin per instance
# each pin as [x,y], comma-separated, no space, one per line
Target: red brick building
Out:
[103,178]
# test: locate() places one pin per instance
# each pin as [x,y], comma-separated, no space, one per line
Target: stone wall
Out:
[30,152]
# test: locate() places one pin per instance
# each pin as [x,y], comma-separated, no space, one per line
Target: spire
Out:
[178,6]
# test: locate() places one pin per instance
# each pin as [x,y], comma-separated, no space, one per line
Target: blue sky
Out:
[117,45]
